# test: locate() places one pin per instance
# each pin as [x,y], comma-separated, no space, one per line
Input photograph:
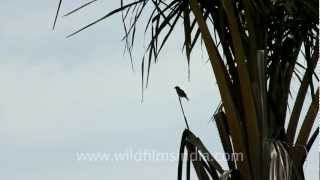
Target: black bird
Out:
[181,93]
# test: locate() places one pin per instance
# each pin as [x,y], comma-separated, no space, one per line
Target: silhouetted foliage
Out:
[256,48]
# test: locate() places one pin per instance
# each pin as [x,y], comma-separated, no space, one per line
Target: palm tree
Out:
[256,49]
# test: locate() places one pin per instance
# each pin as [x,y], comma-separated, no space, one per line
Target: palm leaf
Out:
[57,14]
[106,16]
[80,7]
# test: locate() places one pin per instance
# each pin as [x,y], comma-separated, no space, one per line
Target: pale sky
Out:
[61,96]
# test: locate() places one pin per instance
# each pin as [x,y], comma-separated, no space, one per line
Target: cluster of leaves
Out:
[254,47]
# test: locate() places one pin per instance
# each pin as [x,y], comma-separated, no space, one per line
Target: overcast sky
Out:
[61,96]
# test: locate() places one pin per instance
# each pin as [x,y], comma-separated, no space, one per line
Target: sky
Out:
[60,97]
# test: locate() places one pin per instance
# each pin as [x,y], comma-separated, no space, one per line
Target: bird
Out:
[181,93]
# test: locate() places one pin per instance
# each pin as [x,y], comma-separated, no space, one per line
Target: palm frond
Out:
[80,7]
[57,14]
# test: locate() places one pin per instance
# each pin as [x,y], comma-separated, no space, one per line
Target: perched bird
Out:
[181,93]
